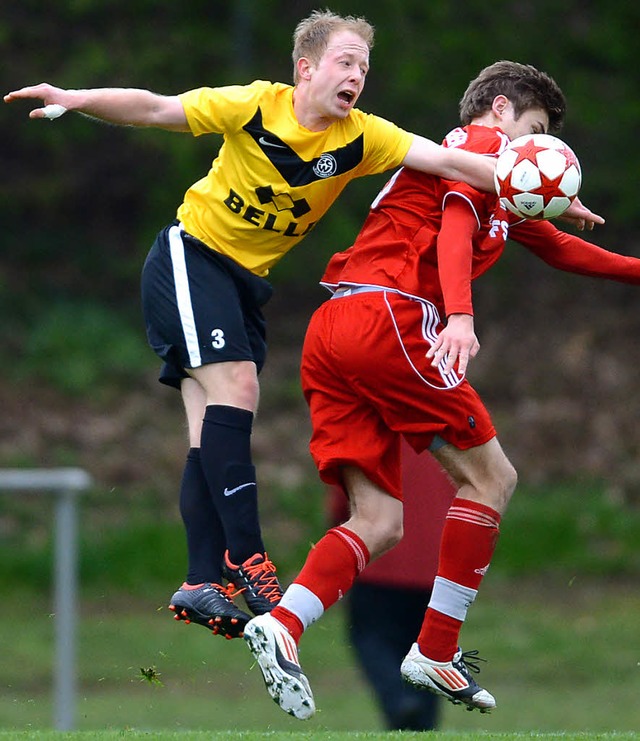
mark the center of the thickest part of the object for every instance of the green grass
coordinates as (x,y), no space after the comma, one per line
(302,736)
(571,529)
(79,348)
(577,526)
(563,660)
(557,618)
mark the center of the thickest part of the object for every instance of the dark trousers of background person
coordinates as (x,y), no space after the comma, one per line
(382,624)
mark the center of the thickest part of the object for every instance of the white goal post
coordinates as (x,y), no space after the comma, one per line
(65,484)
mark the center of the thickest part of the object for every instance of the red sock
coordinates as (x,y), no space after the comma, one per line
(468,541)
(290,621)
(328,573)
(332,565)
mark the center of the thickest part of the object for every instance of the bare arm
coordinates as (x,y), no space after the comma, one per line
(125,106)
(451,163)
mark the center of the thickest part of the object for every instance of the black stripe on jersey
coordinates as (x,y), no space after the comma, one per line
(295,170)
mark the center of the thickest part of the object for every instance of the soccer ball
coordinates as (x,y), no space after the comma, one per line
(537,176)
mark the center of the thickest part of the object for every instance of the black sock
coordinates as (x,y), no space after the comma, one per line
(206,542)
(225,455)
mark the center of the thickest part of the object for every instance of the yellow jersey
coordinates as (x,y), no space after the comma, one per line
(272,179)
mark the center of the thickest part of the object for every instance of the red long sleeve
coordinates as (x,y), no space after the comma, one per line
(573,254)
(455,254)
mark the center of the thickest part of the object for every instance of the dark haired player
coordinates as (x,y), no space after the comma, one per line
(386,358)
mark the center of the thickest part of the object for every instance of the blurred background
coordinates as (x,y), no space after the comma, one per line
(80,204)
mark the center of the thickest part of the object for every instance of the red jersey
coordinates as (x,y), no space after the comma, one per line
(406,243)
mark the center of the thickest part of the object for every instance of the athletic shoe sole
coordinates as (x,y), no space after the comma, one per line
(291,693)
(227,625)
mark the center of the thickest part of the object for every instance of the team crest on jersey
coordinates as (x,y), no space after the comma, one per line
(326,165)
(294,170)
(296,173)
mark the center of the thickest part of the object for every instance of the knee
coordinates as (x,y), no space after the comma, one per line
(384,535)
(391,536)
(503,485)
(232,383)
(493,486)
(379,534)
(511,480)
(243,381)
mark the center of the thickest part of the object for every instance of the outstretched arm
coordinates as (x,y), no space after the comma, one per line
(125,106)
(451,163)
(570,252)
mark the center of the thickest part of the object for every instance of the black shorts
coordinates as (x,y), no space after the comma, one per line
(200,307)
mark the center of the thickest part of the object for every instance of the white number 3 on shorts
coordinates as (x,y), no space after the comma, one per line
(217,339)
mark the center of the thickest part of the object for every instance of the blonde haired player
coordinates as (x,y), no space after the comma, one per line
(287,153)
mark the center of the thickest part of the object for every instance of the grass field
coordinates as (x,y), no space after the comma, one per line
(306,736)
(563,651)
(563,662)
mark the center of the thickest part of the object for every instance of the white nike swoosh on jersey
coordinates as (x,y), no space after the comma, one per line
(229,492)
(266,142)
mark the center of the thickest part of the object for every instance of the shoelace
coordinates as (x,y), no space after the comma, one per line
(266,581)
(470,659)
(229,592)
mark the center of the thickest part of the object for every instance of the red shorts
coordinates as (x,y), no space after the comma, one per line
(368,383)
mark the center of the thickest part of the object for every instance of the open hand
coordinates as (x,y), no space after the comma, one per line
(56,101)
(580,216)
(456,343)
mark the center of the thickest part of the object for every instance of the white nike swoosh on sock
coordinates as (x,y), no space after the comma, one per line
(229,492)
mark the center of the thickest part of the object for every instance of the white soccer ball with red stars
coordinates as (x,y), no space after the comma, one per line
(537,176)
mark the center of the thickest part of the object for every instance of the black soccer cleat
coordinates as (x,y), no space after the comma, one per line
(256,580)
(210,605)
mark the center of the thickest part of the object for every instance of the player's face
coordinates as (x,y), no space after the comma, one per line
(531,121)
(338,78)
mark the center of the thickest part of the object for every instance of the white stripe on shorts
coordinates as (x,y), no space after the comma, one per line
(430,321)
(185,308)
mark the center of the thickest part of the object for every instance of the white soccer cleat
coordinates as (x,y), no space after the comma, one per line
(277,655)
(449,679)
